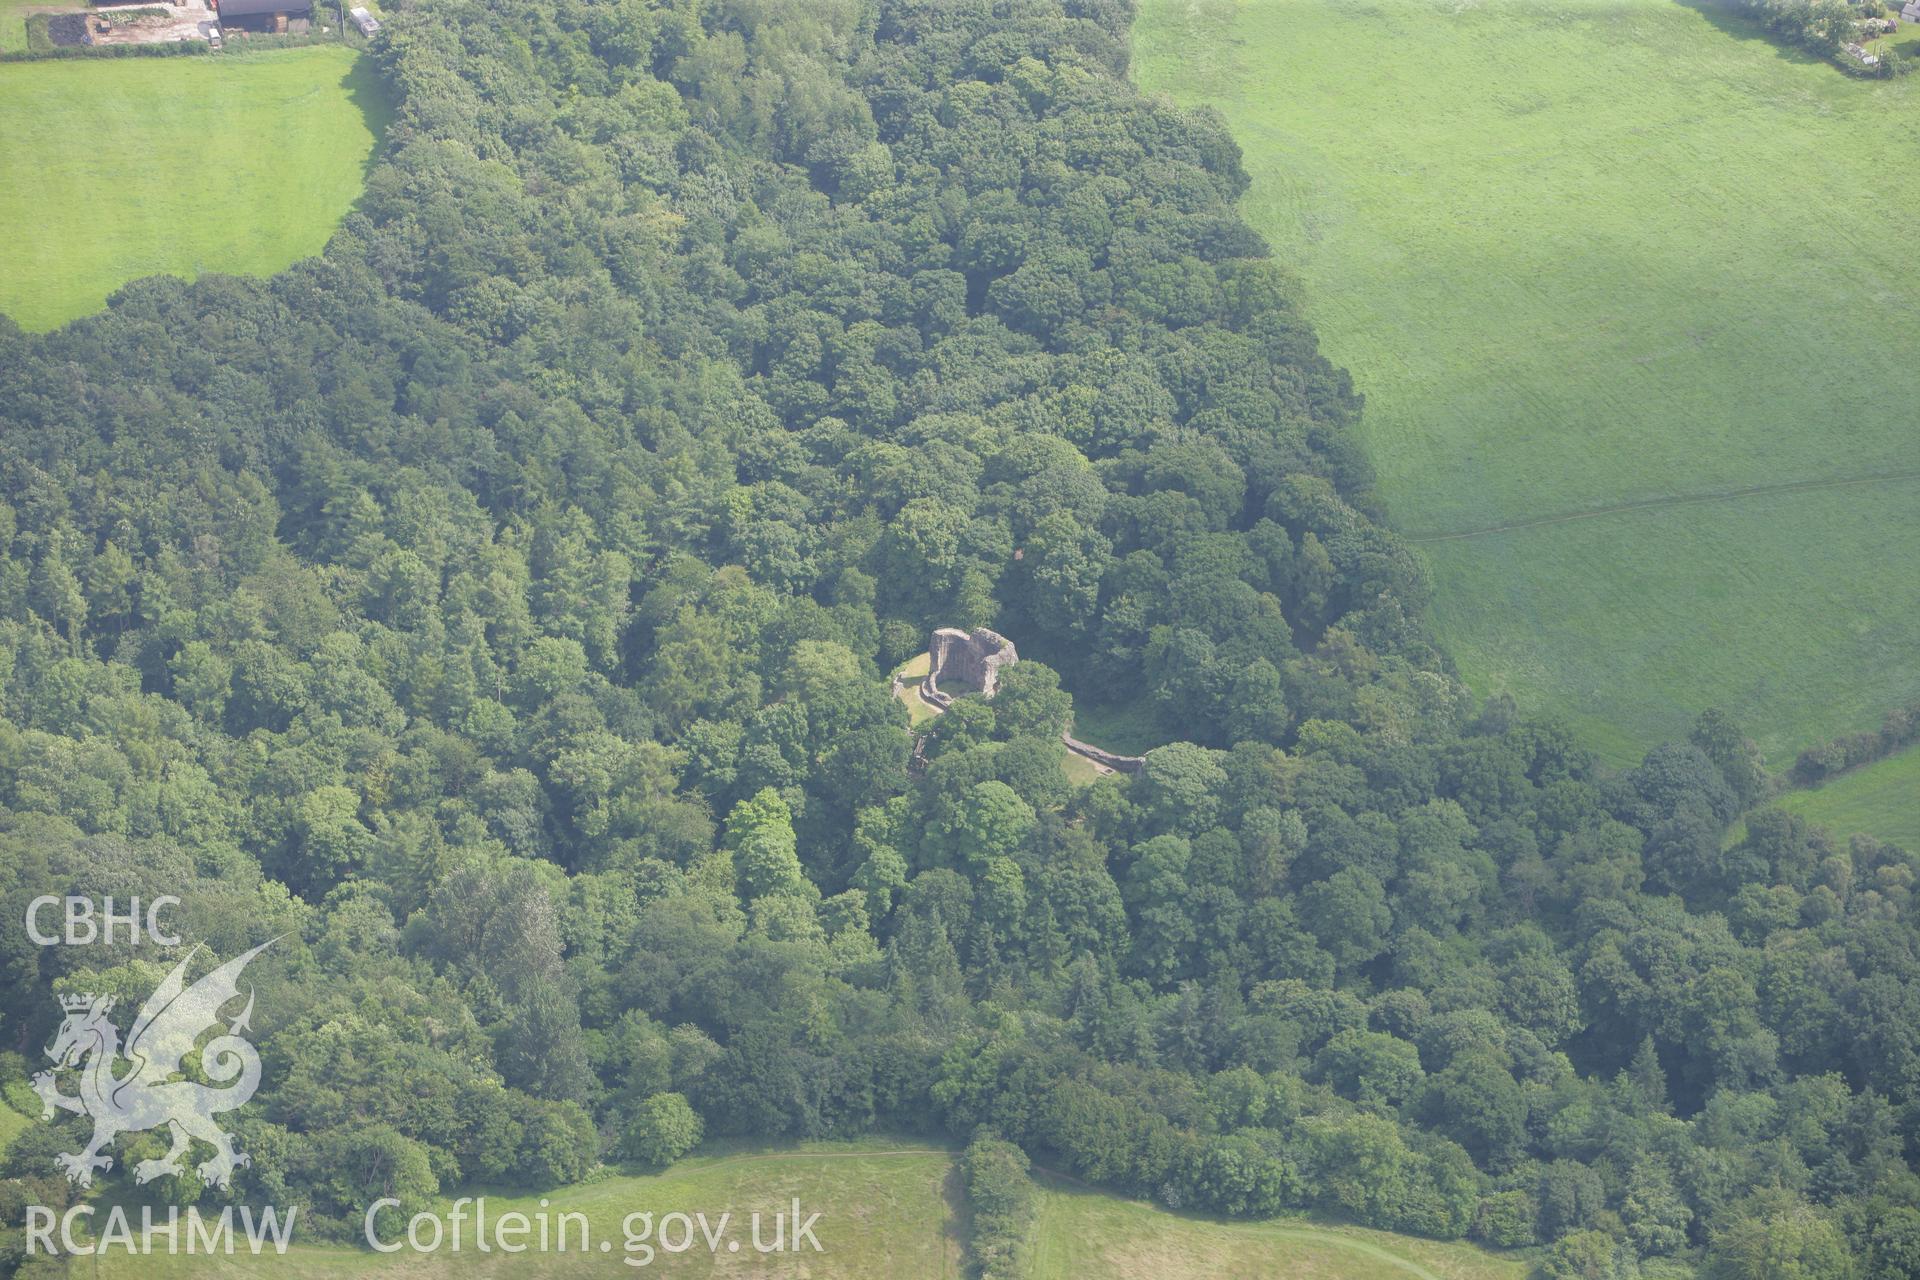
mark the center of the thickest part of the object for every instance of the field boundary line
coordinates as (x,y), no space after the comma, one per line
(1673,500)
(828,1155)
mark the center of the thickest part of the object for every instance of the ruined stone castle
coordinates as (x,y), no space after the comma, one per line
(975,658)
(972,657)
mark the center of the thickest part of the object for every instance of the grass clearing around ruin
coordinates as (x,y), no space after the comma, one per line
(1124,728)
(1085,1233)
(1080,771)
(911,673)
(114,169)
(1629,293)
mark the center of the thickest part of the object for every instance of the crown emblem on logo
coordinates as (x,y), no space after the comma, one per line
(168,1027)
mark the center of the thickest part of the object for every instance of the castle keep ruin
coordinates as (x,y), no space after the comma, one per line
(975,658)
(971,657)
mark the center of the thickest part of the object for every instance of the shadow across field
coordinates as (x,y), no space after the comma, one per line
(372,98)
(1729,21)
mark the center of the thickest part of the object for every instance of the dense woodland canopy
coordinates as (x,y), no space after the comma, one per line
(499,607)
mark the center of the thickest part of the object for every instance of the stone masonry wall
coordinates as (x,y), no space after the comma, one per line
(976,657)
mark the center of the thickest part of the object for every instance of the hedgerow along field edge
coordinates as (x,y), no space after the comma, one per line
(1627,276)
(1881,799)
(128,167)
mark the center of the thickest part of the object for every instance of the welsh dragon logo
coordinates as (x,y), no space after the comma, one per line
(147,1095)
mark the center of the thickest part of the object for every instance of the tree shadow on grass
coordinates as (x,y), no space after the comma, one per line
(374,101)
(1727,19)
(956,1228)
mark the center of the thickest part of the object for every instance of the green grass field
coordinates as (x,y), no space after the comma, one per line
(1080,771)
(1882,799)
(13,1123)
(1627,289)
(13,26)
(13,19)
(913,671)
(1127,728)
(881,1216)
(1906,41)
(1082,1233)
(113,170)
(886,1211)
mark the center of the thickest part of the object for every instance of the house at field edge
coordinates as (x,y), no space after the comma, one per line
(264,15)
(363,22)
(1911,11)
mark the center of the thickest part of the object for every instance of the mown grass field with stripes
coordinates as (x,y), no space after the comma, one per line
(1631,292)
(116,168)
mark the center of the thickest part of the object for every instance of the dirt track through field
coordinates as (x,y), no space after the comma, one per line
(1676,500)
